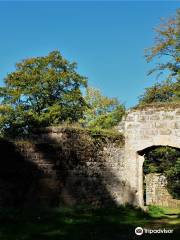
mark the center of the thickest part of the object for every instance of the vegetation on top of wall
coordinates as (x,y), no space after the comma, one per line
(164,92)
(74,131)
(158,105)
(102,135)
(110,135)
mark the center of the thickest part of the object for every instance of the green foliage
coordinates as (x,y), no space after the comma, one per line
(160,212)
(165,160)
(173,178)
(103,112)
(42,91)
(155,211)
(159,92)
(166,50)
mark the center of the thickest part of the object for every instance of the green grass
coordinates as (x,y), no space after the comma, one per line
(156,211)
(82,223)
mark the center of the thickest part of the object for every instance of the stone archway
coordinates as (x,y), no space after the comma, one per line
(144,128)
(155,182)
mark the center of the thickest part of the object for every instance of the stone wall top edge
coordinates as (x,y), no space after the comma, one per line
(77,130)
(156,107)
(58,129)
(152,110)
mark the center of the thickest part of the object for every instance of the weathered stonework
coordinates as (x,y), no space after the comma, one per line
(144,128)
(65,166)
(62,166)
(156,191)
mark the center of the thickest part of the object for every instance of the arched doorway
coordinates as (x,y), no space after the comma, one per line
(160,178)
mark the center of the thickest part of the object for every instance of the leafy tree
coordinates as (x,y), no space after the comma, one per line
(159,92)
(166,47)
(41,91)
(173,179)
(166,50)
(165,160)
(102,112)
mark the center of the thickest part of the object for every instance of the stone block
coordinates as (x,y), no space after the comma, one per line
(164,131)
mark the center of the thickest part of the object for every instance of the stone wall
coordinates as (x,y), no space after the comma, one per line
(143,128)
(63,166)
(70,166)
(156,191)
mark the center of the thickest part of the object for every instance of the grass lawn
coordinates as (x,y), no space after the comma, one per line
(86,223)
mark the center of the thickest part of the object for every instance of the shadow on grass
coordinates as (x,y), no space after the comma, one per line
(20,177)
(79,223)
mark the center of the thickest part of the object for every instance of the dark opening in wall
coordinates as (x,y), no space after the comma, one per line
(163,163)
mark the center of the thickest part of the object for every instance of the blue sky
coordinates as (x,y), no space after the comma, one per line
(106,39)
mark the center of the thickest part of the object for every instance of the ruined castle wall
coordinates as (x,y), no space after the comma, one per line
(144,128)
(63,166)
(157,193)
(70,166)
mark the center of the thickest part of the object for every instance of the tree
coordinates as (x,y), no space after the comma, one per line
(102,112)
(167,48)
(159,92)
(41,91)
